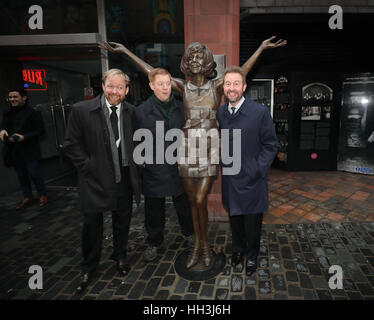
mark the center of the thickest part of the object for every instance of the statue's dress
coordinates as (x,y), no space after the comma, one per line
(201,156)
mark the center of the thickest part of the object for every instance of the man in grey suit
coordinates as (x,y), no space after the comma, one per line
(99,143)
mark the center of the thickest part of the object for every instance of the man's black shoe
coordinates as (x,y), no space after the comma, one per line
(236,258)
(85,280)
(250,267)
(122,267)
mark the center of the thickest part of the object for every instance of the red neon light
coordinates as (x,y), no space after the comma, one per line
(34,79)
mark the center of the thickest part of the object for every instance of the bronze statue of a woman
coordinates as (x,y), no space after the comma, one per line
(201,98)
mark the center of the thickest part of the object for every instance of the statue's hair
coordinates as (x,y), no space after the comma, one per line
(209,63)
(116,72)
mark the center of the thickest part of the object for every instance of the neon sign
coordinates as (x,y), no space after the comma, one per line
(35,79)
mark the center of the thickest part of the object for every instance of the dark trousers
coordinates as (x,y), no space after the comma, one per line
(28,170)
(155,217)
(92,234)
(246,234)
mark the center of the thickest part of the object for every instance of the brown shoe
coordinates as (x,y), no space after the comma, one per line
(26,202)
(43,201)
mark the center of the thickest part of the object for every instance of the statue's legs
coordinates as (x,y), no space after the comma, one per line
(197,190)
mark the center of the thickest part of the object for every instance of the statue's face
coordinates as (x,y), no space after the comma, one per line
(196,62)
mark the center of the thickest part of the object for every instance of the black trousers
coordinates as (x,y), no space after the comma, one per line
(246,234)
(27,171)
(155,217)
(92,234)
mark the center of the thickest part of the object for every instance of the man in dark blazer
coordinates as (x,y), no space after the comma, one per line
(21,128)
(245,193)
(99,143)
(162,179)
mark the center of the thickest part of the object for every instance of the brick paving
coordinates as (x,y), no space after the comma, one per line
(315,220)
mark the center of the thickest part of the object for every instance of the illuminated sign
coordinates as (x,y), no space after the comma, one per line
(34,79)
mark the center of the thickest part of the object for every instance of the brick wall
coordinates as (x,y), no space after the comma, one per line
(305,6)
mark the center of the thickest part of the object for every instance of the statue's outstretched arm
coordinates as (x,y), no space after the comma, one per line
(266,44)
(119,48)
(177,84)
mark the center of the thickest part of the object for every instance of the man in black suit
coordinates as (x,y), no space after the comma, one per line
(162,179)
(99,143)
(20,131)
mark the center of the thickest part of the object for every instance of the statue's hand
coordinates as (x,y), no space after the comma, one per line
(267,44)
(112,46)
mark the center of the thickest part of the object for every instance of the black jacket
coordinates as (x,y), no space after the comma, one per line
(160,180)
(87,144)
(32,127)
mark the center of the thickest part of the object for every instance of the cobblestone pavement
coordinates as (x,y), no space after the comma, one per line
(315,220)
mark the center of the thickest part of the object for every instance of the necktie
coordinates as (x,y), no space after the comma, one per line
(114,122)
(232,111)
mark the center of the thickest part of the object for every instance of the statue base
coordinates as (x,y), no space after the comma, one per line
(199,272)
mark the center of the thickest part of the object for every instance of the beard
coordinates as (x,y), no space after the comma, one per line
(233,99)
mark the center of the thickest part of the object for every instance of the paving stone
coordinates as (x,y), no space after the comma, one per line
(308,294)
(152,287)
(162,295)
(305,281)
(162,269)
(123,289)
(236,297)
(294,291)
(324,295)
(319,282)
(278,282)
(132,276)
(236,283)
(264,262)
(190,297)
(359,258)
(114,284)
(249,293)
(251,281)
(286,253)
(223,282)
(365,289)
(194,287)
(324,262)
(264,287)
(181,286)
(168,281)
(263,274)
(106,295)
(98,287)
(276,267)
(207,292)
(175,297)
(314,269)
(354,295)
(148,272)
(137,290)
(226,271)
(309,257)
(289,265)
(301,267)
(273,247)
(357,276)
(221,294)
(292,276)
